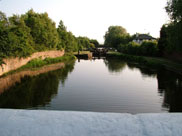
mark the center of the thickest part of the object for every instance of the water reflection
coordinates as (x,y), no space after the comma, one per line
(114,65)
(35,91)
(92,86)
(170,86)
(169,83)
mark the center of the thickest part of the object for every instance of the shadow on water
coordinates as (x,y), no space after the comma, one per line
(35,91)
(169,83)
(114,65)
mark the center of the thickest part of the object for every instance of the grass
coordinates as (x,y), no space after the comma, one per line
(150,61)
(38,62)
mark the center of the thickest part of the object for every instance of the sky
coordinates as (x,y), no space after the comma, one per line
(92,18)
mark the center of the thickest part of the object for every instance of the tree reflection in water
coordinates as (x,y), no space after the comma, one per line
(38,91)
(169,83)
(35,91)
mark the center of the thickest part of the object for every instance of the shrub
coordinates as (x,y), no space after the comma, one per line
(147,48)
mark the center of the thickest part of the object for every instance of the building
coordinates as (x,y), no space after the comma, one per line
(143,37)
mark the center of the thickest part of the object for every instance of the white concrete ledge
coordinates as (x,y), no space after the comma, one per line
(65,123)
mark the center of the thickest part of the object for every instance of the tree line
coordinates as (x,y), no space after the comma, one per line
(170,40)
(118,38)
(171,34)
(22,35)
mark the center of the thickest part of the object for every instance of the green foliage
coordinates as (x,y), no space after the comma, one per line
(149,61)
(15,38)
(139,59)
(20,36)
(116,35)
(174,9)
(67,40)
(84,43)
(162,43)
(43,30)
(171,38)
(171,34)
(38,62)
(95,42)
(147,48)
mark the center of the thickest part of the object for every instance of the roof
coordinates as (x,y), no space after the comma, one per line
(144,37)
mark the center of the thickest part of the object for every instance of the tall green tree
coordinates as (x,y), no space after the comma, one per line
(4,28)
(20,40)
(62,34)
(15,38)
(116,35)
(171,34)
(95,42)
(85,43)
(43,30)
(67,40)
(174,9)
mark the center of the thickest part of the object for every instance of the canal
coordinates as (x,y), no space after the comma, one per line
(99,85)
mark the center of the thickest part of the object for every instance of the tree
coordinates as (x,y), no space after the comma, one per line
(62,34)
(95,42)
(115,36)
(20,40)
(43,30)
(162,43)
(67,40)
(15,38)
(171,34)
(85,43)
(174,9)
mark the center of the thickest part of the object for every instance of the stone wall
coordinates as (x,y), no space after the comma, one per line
(14,63)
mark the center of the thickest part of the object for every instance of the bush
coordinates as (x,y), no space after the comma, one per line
(147,48)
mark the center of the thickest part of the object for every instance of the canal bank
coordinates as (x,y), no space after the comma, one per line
(14,63)
(64,123)
(149,61)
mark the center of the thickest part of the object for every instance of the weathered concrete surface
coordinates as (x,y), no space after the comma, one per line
(14,63)
(63,123)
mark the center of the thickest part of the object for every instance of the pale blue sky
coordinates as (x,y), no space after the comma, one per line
(92,18)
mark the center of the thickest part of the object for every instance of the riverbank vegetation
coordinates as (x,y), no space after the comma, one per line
(156,62)
(170,42)
(22,35)
(118,38)
(38,63)
(169,45)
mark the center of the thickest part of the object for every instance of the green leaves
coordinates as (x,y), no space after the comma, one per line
(116,35)
(20,36)
(147,48)
(43,30)
(174,9)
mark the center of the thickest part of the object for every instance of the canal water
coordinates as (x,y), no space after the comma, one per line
(100,85)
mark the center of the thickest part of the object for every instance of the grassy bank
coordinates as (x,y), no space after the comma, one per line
(37,63)
(149,61)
